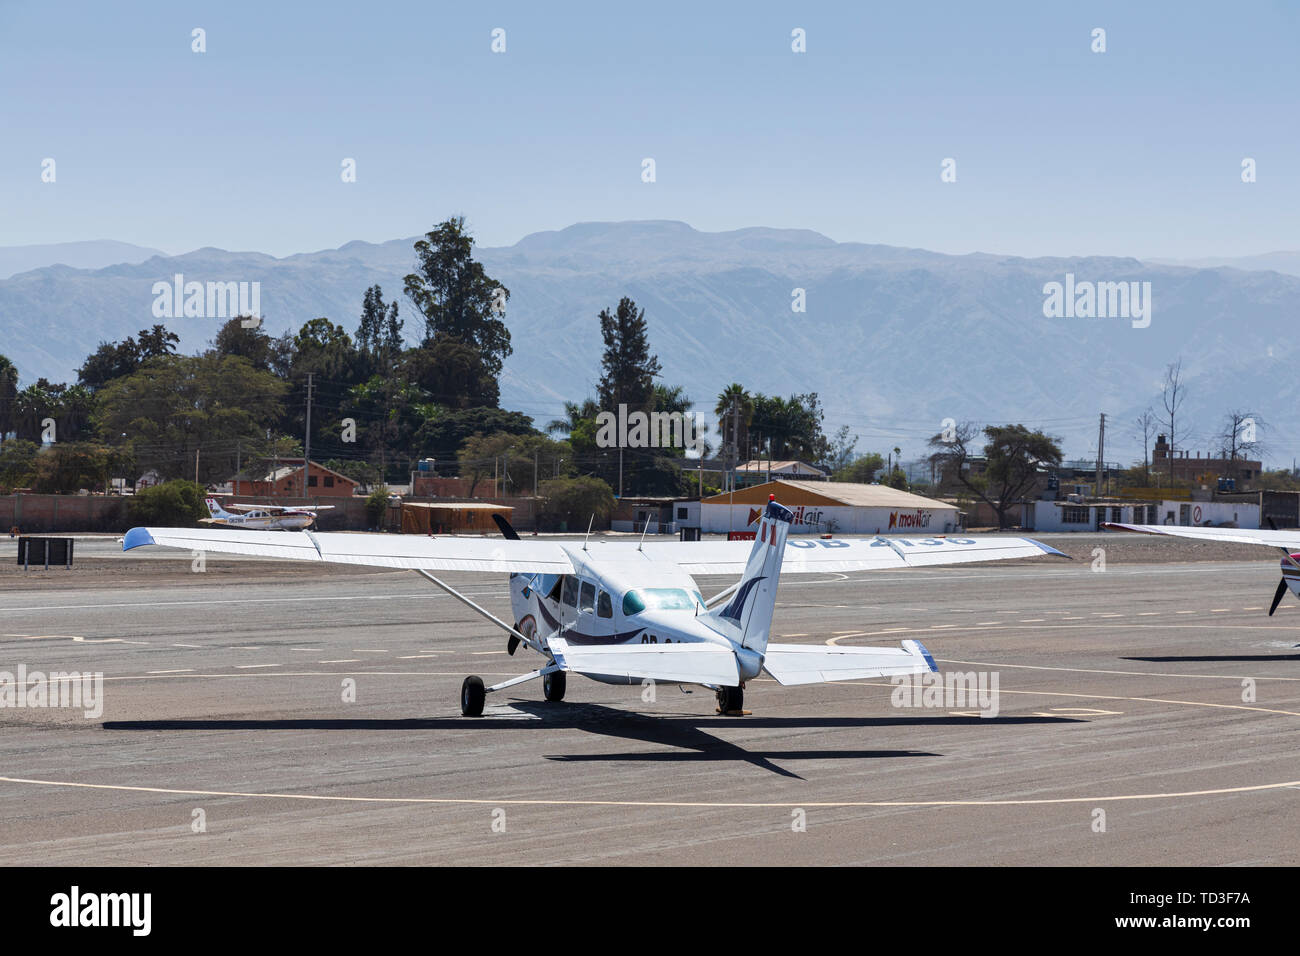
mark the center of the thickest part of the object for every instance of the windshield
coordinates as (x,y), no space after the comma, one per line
(663,599)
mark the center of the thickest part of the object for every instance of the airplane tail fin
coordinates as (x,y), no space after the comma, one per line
(214,508)
(747,617)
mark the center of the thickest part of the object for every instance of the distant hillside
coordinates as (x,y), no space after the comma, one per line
(79,255)
(895,340)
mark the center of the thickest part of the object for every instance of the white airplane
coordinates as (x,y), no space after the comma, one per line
(264,517)
(625,613)
(1287,540)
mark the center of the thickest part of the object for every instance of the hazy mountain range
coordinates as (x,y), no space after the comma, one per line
(895,340)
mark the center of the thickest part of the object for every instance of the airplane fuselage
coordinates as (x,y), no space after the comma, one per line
(619,600)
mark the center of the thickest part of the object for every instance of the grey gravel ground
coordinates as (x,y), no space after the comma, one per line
(1121,693)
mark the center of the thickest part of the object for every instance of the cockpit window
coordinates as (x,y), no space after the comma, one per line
(588,600)
(663,599)
(604,606)
(570,593)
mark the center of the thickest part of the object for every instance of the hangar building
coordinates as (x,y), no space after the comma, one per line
(838,507)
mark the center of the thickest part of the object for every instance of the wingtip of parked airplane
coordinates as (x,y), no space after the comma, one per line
(1048,549)
(137,538)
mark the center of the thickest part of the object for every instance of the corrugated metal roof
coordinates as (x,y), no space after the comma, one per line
(843,492)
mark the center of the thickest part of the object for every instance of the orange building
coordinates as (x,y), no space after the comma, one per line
(285,481)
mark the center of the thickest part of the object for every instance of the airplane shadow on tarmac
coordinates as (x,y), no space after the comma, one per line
(1217,659)
(684,733)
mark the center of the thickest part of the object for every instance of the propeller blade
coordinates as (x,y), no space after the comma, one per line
(507,532)
(1277,596)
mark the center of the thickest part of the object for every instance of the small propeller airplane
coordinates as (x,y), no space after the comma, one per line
(1288,541)
(264,517)
(625,613)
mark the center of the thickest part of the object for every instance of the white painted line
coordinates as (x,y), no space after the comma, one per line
(183,670)
(346,660)
(248,666)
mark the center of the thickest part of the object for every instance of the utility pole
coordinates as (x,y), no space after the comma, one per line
(620,471)
(306,456)
(535,460)
(1101,451)
(237,456)
(196,466)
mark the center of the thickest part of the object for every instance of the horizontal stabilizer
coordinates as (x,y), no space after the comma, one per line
(667,663)
(815,664)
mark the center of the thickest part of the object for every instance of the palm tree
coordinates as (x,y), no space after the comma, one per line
(734,396)
(575,414)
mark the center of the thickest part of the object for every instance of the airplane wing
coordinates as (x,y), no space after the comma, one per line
(815,663)
(667,663)
(1288,539)
(809,555)
(377,550)
(281,507)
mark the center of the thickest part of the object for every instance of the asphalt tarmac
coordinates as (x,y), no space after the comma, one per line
(1145,714)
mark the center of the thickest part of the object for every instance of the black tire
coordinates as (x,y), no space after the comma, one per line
(472,696)
(554,685)
(730,699)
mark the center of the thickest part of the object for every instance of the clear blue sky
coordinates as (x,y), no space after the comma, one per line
(1059,150)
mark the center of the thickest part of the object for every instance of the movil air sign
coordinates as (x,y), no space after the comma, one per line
(807,517)
(910,519)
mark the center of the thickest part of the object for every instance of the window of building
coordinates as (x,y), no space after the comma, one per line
(1074,515)
(681,513)
(311,481)
(329,481)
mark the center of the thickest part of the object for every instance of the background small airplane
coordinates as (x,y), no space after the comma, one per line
(625,613)
(1287,540)
(264,517)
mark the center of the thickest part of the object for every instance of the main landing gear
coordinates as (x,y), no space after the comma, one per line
(554,685)
(731,701)
(472,696)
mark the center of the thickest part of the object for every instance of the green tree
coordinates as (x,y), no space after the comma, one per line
(178,406)
(175,503)
(252,344)
(17,464)
(442,436)
(452,373)
(511,458)
(862,469)
(628,370)
(116,359)
(786,429)
(1014,458)
(379,336)
(569,503)
(67,467)
(8,397)
(457,298)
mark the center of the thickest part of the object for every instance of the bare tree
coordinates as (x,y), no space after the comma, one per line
(1172,393)
(1239,439)
(1146,426)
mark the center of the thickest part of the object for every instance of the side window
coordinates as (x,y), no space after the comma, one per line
(570,595)
(553,593)
(588,602)
(604,607)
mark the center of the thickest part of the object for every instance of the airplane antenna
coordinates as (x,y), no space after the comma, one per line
(643,531)
(589,524)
